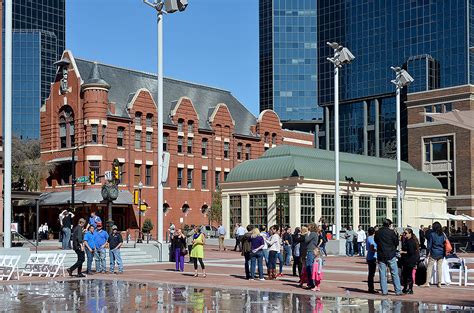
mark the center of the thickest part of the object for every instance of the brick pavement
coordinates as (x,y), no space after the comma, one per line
(344,276)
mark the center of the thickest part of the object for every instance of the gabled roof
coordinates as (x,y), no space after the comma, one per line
(124,83)
(288,161)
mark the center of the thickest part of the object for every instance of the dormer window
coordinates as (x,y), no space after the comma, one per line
(190,127)
(266,137)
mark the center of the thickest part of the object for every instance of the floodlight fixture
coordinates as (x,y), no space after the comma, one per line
(402,78)
(342,55)
(175,5)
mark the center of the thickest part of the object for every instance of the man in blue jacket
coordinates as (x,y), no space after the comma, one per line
(387,244)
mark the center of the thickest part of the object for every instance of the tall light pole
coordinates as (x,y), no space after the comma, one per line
(7,201)
(342,56)
(401,80)
(140,187)
(162,7)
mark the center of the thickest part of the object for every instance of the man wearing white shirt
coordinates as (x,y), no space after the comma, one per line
(239,234)
(361,237)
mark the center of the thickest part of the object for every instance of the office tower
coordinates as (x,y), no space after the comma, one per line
(38,41)
(430,39)
(288,63)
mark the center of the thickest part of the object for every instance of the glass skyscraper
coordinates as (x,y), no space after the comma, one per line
(429,38)
(288,59)
(38,42)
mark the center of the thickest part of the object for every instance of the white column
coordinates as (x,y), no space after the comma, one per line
(337,201)
(160,127)
(373,205)
(389,209)
(317,207)
(245,202)
(399,178)
(271,204)
(226,215)
(295,209)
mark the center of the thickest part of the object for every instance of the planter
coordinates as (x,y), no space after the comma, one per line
(50,236)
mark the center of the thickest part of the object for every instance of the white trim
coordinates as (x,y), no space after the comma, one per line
(135,96)
(218,169)
(138,127)
(216,109)
(260,116)
(226,169)
(180,165)
(85,121)
(425,124)
(149,129)
(93,157)
(300,141)
(190,166)
(95,88)
(65,100)
(190,135)
(461,197)
(175,109)
(434,103)
(138,162)
(180,134)
(103,122)
(204,167)
(266,145)
(149,162)
(226,140)
(94,121)
(121,160)
(217,138)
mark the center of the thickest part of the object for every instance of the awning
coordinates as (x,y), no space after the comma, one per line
(88,196)
(464,119)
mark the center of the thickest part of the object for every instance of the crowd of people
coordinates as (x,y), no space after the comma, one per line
(89,238)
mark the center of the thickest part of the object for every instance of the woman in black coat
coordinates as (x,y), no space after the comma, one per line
(410,254)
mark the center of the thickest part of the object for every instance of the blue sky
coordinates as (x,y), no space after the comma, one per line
(213,42)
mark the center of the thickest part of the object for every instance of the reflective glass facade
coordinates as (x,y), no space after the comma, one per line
(38,42)
(430,38)
(288,59)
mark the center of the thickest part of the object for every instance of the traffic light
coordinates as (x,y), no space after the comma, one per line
(135,197)
(116,173)
(92,177)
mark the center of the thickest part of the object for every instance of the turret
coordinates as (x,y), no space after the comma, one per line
(95,93)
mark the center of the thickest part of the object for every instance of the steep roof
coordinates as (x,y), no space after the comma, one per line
(124,83)
(288,161)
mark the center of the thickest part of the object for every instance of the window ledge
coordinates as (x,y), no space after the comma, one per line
(149,151)
(180,154)
(191,189)
(226,159)
(138,150)
(120,148)
(205,157)
(191,155)
(148,187)
(217,158)
(204,189)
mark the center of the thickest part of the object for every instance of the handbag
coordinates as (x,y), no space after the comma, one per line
(447,246)
(184,251)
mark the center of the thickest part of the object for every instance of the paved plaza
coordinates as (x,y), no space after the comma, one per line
(345,278)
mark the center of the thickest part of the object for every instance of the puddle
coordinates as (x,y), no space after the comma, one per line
(122,296)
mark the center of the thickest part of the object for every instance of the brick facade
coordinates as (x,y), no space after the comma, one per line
(459,98)
(91,106)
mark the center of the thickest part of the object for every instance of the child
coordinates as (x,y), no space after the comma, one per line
(317,270)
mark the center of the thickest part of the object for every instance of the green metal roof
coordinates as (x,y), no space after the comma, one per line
(289,161)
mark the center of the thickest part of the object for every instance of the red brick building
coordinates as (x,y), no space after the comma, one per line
(443,150)
(110,113)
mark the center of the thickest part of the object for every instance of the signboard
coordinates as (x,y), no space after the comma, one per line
(82,179)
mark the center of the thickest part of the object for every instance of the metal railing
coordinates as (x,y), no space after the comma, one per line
(20,236)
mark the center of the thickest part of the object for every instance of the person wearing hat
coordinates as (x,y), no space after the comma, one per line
(101,237)
(115,243)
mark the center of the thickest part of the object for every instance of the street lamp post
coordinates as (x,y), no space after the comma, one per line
(342,56)
(140,186)
(171,7)
(401,80)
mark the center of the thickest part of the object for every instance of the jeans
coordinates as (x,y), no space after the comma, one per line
(265,256)
(272,257)
(393,266)
(349,248)
(287,249)
(90,258)
(322,248)
(80,260)
(100,265)
(296,265)
(256,257)
(66,243)
(247,264)
(280,261)
(360,245)
(179,259)
(114,255)
(370,278)
(309,268)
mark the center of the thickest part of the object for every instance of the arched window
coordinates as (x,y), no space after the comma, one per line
(266,137)
(138,118)
(66,127)
(149,120)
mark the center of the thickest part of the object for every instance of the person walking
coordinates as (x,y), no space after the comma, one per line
(78,246)
(179,244)
(89,247)
(246,250)
(189,242)
(435,253)
(101,237)
(256,254)
(349,235)
(197,252)
(410,255)
(66,226)
(361,238)
(274,245)
(317,271)
(240,232)
(371,258)
(115,243)
(387,243)
(287,243)
(221,233)
(296,252)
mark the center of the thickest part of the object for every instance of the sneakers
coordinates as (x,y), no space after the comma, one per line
(261,279)
(81,275)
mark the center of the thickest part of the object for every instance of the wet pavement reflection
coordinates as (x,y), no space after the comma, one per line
(122,296)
